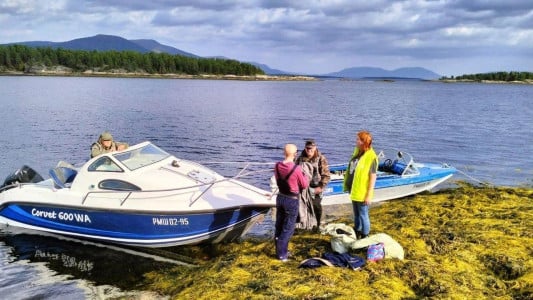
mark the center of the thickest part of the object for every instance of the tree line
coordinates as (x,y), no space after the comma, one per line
(23,58)
(495,76)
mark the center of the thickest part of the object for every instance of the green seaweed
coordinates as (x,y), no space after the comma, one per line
(468,242)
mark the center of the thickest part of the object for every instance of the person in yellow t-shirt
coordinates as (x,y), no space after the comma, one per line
(359,181)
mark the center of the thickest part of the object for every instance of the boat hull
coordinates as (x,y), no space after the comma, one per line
(145,229)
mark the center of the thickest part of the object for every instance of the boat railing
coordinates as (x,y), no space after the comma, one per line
(13,185)
(17,184)
(242,173)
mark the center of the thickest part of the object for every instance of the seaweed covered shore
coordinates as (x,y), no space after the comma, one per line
(463,243)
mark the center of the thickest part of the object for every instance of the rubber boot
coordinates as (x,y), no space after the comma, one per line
(317,208)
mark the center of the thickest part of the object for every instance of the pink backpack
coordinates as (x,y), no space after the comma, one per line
(375,252)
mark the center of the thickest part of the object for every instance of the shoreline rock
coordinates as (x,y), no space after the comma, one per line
(66,72)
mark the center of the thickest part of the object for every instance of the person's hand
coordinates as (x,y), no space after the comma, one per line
(318,190)
(121,147)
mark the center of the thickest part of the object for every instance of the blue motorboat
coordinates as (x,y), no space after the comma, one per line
(398,176)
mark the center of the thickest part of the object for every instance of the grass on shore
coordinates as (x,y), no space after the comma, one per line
(463,243)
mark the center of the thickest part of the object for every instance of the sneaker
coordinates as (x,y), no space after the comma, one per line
(284,259)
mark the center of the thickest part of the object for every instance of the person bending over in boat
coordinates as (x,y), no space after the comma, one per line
(105,144)
(320,176)
(291,181)
(360,180)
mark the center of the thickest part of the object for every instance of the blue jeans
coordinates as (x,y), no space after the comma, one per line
(286,214)
(360,217)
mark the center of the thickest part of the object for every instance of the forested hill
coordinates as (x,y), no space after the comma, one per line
(103,42)
(494,76)
(20,58)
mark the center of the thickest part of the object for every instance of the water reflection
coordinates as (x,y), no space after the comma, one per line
(97,263)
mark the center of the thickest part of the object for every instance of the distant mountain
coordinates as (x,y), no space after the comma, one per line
(270,71)
(415,72)
(265,68)
(154,46)
(102,42)
(366,72)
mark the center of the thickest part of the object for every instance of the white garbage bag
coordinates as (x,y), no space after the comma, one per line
(392,248)
(342,236)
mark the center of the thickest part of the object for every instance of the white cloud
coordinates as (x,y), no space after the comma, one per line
(302,36)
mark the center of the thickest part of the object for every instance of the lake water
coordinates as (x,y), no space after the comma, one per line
(484,130)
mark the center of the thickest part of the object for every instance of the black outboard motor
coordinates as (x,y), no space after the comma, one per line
(22,175)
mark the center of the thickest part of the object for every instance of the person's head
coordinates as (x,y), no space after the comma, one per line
(364,140)
(290,151)
(310,149)
(106,139)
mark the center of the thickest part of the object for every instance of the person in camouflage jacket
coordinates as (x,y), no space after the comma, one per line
(105,144)
(320,176)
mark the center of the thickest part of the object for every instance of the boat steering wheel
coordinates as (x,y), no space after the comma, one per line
(388,163)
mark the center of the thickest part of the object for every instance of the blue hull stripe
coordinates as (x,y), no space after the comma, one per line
(111,225)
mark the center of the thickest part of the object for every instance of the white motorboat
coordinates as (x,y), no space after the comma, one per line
(141,196)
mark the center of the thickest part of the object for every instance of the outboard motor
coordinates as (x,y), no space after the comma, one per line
(22,175)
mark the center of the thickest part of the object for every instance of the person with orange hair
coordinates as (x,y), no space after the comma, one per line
(359,181)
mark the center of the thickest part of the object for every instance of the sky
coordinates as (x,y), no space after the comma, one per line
(315,37)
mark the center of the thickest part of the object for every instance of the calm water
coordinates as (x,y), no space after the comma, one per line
(482,129)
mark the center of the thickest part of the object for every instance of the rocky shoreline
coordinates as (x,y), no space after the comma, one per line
(121,73)
(66,72)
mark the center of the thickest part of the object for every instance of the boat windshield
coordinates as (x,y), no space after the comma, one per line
(141,157)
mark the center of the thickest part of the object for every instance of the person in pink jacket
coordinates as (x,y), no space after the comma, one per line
(291,181)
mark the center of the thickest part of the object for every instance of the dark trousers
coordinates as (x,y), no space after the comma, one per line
(317,207)
(286,214)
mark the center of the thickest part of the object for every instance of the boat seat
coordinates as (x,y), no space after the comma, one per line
(392,167)
(398,168)
(63,176)
(65,164)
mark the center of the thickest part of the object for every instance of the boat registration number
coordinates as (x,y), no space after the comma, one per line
(170,221)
